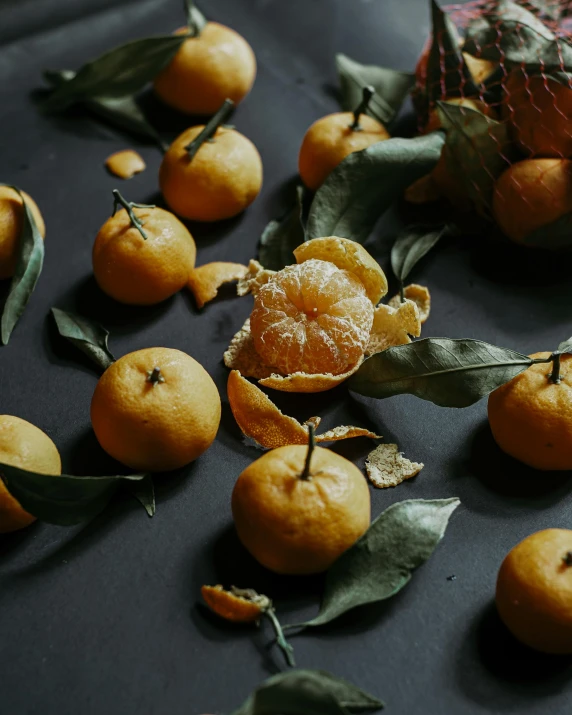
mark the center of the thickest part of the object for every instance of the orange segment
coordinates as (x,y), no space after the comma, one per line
(233,607)
(311,318)
(259,418)
(347,256)
(205,281)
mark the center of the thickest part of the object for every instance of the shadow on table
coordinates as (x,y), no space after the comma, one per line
(516,674)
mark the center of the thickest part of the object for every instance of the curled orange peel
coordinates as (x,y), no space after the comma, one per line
(236,605)
(393,326)
(261,420)
(205,280)
(420,295)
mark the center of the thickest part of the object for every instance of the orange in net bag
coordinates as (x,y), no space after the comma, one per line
(496,75)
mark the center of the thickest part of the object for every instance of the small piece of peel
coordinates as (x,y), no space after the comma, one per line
(205,280)
(420,295)
(125,164)
(255,277)
(236,605)
(387,467)
(393,326)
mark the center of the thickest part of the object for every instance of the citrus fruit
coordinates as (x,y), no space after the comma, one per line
(237,605)
(531,416)
(143,269)
(220,181)
(531,194)
(539,110)
(155,409)
(312,318)
(11,219)
(475,105)
(534,591)
(25,446)
(216,64)
(479,68)
(297,508)
(330,140)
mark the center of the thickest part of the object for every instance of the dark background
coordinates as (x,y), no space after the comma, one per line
(104,618)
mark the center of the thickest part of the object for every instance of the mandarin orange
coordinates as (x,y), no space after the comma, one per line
(11,218)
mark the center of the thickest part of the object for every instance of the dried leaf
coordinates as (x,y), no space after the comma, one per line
(391,87)
(367,182)
(205,280)
(28,268)
(450,373)
(382,561)
(91,338)
(417,294)
(62,500)
(393,326)
(387,467)
(307,692)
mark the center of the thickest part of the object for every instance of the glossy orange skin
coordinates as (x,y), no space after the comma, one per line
(531,417)
(534,591)
(540,114)
(25,446)
(330,140)
(220,181)
(530,194)
(294,526)
(136,271)
(157,427)
(219,64)
(11,217)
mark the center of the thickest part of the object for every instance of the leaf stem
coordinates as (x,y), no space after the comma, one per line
(210,128)
(367,94)
(280,638)
(128,206)
(555,374)
(311,445)
(567,558)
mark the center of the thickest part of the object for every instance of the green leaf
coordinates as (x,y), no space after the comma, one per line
(552,236)
(144,491)
(381,563)
(122,112)
(411,245)
(307,692)
(195,18)
(282,236)
(566,346)
(450,373)
(509,33)
(367,182)
(478,150)
(391,87)
(120,72)
(447,72)
(62,500)
(28,268)
(91,338)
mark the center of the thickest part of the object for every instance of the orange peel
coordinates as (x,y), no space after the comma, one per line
(387,467)
(236,605)
(393,326)
(420,295)
(255,277)
(262,421)
(349,256)
(205,280)
(125,164)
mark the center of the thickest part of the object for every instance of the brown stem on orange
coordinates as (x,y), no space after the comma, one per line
(367,94)
(154,376)
(128,206)
(207,134)
(280,638)
(311,444)
(555,374)
(567,558)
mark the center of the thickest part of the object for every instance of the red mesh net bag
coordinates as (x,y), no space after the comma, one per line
(497,76)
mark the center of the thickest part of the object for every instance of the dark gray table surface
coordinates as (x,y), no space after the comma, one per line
(104,618)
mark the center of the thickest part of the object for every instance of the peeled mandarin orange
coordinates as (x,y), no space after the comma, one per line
(531,194)
(155,409)
(220,181)
(25,446)
(11,218)
(216,64)
(311,318)
(143,271)
(534,591)
(330,140)
(295,520)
